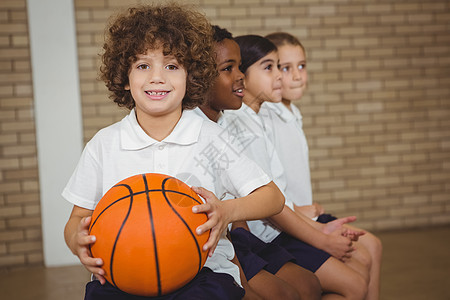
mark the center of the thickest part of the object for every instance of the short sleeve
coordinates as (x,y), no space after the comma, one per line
(84,188)
(243,175)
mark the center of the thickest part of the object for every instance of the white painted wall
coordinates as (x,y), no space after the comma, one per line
(58,116)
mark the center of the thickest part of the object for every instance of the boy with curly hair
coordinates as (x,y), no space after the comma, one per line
(158,63)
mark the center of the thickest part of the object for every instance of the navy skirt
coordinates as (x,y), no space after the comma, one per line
(255,255)
(305,255)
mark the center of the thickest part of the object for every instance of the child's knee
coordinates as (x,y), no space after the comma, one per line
(358,289)
(364,257)
(374,245)
(286,291)
(312,289)
(289,293)
(377,245)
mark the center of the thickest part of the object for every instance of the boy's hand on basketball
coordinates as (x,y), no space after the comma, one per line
(218,218)
(83,240)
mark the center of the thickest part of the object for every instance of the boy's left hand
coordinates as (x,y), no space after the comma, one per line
(218,218)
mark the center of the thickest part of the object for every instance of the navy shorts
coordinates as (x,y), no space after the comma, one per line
(325,218)
(205,286)
(255,255)
(306,256)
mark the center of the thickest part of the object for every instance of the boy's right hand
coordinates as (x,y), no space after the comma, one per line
(82,242)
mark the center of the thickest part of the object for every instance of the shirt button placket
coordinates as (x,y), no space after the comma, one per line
(161,159)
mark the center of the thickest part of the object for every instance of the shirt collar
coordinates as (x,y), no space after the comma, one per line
(186,132)
(282,111)
(253,115)
(200,113)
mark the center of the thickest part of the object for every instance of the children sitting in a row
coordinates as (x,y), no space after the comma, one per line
(268,268)
(285,122)
(160,62)
(287,230)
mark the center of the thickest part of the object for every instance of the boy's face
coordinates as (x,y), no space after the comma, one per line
(228,88)
(293,71)
(157,84)
(263,80)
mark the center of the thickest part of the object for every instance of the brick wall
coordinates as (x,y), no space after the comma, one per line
(376,113)
(20,223)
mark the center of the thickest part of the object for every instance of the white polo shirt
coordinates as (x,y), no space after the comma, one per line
(248,127)
(198,152)
(285,129)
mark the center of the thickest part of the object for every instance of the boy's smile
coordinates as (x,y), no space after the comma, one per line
(157,83)
(157,95)
(239,91)
(228,89)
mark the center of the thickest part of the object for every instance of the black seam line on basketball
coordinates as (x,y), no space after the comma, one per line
(185,223)
(120,199)
(111,204)
(155,249)
(130,195)
(135,194)
(118,235)
(181,193)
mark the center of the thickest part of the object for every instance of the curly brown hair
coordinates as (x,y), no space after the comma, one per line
(178,30)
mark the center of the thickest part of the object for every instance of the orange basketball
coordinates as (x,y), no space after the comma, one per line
(145,231)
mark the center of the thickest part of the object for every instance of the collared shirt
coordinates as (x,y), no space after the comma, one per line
(200,113)
(249,129)
(285,129)
(197,152)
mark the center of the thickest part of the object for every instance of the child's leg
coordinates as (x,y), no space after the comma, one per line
(269,286)
(366,259)
(369,252)
(340,281)
(304,281)
(253,257)
(360,261)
